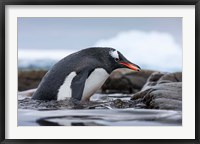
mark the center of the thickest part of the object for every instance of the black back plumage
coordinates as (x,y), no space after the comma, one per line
(89,58)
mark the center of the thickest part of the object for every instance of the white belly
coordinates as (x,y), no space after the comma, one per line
(65,89)
(94,82)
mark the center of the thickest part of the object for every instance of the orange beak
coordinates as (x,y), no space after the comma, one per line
(131,66)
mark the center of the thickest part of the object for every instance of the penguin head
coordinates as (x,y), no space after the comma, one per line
(108,58)
(119,61)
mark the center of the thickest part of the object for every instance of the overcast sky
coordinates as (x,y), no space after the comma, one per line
(151,42)
(70,33)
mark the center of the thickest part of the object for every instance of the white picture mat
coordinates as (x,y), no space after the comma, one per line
(186,131)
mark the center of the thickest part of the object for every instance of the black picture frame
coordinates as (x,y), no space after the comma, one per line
(3,4)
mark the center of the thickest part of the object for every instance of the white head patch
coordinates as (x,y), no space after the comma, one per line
(114,54)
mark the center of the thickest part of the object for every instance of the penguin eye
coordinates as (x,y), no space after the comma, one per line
(116,59)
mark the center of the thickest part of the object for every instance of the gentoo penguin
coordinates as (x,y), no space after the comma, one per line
(81,74)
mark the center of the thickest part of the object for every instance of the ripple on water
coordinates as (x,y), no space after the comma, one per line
(102,110)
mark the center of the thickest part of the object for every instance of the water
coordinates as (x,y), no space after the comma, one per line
(99,117)
(102,110)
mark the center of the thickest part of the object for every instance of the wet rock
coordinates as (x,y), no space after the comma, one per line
(28,103)
(126,81)
(118,103)
(45,105)
(171,77)
(152,89)
(162,91)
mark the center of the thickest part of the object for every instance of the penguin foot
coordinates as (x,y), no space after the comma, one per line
(75,104)
(74,101)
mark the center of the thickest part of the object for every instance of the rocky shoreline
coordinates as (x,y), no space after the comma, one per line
(146,89)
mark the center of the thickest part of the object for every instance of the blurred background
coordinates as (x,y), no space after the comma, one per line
(155,44)
(151,43)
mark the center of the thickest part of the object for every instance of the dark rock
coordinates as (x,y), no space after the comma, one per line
(162,91)
(120,104)
(126,81)
(171,77)
(29,79)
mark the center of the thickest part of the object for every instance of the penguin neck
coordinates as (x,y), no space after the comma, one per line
(108,69)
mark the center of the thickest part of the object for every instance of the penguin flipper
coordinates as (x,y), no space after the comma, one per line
(78,84)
